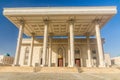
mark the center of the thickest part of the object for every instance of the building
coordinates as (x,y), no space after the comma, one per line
(6,60)
(60,36)
(107,60)
(115,61)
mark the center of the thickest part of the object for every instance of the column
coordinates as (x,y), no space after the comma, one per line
(19,42)
(89,52)
(69,59)
(45,43)
(72,43)
(99,45)
(50,51)
(31,50)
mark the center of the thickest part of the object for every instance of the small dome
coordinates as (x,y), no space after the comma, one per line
(7,54)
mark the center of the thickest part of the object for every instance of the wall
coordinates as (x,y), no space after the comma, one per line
(56,44)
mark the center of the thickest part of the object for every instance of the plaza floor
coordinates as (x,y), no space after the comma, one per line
(58,76)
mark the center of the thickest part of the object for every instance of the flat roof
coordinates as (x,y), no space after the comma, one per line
(58,17)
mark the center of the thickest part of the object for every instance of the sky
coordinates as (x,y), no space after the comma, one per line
(110,31)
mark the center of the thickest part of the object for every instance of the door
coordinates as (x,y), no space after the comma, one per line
(77,62)
(60,62)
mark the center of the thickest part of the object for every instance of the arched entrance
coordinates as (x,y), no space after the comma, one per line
(77,57)
(61,56)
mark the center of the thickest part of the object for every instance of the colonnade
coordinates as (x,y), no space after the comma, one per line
(71,59)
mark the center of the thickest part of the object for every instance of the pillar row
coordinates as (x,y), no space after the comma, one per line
(99,46)
(50,51)
(89,52)
(72,43)
(69,55)
(19,42)
(45,43)
(31,50)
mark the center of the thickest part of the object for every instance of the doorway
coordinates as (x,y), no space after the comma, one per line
(61,57)
(60,62)
(77,62)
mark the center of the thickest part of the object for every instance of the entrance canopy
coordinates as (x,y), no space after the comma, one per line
(59,17)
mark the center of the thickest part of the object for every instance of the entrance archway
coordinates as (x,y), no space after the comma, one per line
(77,57)
(61,57)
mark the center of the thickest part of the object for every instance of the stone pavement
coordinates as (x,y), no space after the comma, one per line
(58,76)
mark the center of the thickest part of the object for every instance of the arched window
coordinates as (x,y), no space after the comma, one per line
(60,52)
(93,51)
(26,56)
(77,52)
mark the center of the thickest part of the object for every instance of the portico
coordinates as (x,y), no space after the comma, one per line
(65,35)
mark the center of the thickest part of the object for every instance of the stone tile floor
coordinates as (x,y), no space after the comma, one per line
(58,76)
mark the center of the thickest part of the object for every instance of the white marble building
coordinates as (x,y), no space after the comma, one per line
(60,36)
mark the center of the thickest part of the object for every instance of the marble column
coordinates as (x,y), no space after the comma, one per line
(45,43)
(50,51)
(19,43)
(31,50)
(99,45)
(72,43)
(89,52)
(69,55)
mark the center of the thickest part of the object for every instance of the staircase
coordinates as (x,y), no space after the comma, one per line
(39,69)
(56,69)
(99,70)
(15,69)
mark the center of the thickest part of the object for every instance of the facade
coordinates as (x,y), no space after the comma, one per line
(60,36)
(6,60)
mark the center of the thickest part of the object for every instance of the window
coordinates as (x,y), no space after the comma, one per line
(77,51)
(94,58)
(94,51)
(60,53)
(26,56)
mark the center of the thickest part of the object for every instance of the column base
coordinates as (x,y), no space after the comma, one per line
(43,65)
(70,66)
(89,66)
(30,66)
(49,65)
(101,66)
(15,65)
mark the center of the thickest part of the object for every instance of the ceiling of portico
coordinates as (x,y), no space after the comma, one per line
(59,24)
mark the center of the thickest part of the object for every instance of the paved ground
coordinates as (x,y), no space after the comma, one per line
(59,76)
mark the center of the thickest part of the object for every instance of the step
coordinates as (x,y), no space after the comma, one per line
(99,70)
(15,69)
(57,69)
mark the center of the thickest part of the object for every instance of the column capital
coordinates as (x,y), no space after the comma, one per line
(97,21)
(87,34)
(71,21)
(22,22)
(46,21)
(32,34)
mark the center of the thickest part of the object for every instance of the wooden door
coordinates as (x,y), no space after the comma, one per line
(60,62)
(77,62)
